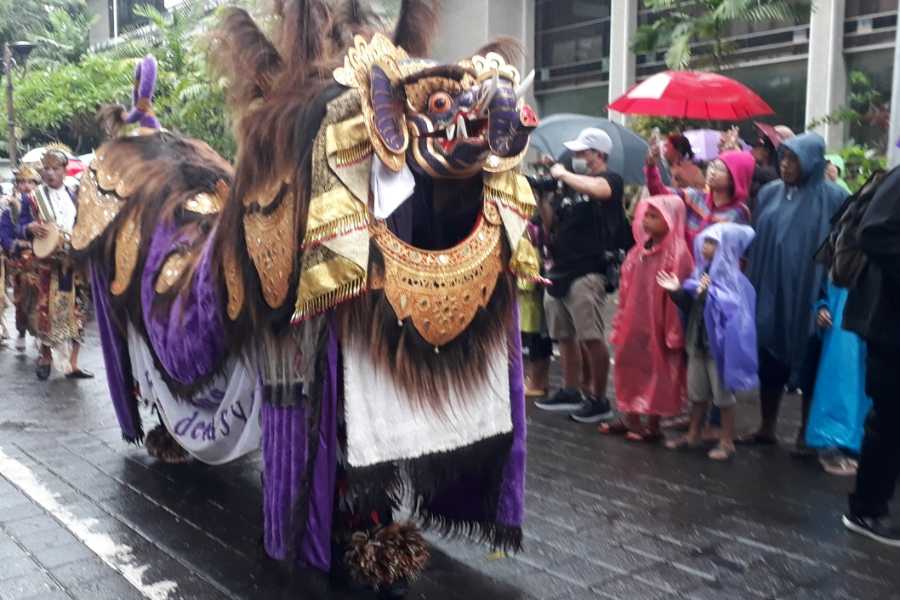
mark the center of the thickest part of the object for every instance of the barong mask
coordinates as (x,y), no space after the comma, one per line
(446,121)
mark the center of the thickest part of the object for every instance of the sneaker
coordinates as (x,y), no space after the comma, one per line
(564,400)
(593,410)
(879,529)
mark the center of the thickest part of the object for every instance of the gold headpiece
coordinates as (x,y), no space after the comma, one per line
(27,173)
(54,157)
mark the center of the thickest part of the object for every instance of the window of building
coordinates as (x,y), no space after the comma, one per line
(856,8)
(585,101)
(782,85)
(127,19)
(877,66)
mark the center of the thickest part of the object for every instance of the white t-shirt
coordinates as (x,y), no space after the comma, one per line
(62,206)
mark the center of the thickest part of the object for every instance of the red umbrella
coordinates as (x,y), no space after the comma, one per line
(692,95)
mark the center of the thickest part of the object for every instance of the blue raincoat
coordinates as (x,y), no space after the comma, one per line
(791,223)
(840,404)
(730,309)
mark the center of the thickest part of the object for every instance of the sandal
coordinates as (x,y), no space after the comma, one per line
(645,437)
(79,374)
(682,444)
(721,453)
(616,427)
(43,371)
(756,439)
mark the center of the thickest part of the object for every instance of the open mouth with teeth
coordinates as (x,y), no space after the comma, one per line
(461,130)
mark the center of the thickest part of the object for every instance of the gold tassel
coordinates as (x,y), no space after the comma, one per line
(306,309)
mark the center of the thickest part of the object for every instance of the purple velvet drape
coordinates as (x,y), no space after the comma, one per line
(186,335)
(115,355)
(511,505)
(286,453)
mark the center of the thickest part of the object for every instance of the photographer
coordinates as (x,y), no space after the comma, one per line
(588,228)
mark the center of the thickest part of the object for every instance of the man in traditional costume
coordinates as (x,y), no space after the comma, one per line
(17,248)
(62,300)
(344,296)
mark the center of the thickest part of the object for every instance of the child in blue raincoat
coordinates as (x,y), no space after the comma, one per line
(720,337)
(839,404)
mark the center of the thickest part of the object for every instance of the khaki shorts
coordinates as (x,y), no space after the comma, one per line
(704,383)
(578,316)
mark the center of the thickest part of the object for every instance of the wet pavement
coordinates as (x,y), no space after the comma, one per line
(85,516)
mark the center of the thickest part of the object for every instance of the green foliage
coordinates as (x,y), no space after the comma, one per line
(58,28)
(860,163)
(643,126)
(681,25)
(60,103)
(865,106)
(58,97)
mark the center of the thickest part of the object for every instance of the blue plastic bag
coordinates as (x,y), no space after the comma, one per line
(840,404)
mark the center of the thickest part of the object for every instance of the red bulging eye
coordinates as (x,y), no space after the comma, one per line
(440,102)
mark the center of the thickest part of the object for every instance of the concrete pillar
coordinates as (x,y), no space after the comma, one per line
(826,77)
(467,25)
(894,135)
(98,10)
(623,24)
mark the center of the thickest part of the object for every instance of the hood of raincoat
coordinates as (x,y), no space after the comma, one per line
(672,209)
(810,150)
(730,307)
(741,166)
(837,161)
(791,223)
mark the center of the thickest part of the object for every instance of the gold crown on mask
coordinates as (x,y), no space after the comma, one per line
(486,66)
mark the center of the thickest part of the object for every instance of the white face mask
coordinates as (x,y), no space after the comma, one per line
(579,166)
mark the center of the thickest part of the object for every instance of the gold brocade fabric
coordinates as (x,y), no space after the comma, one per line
(526,261)
(332,214)
(510,189)
(440,291)
(128,241)
(336,241)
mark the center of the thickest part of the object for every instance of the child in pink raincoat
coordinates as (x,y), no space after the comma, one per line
(647,330)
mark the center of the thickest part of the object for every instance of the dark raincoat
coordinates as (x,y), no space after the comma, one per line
(791,223)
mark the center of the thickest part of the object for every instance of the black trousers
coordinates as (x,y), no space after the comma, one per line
(879,462)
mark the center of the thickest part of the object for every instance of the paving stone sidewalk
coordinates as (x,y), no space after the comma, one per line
(83,515)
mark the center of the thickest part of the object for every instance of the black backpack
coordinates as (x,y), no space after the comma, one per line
(841,251)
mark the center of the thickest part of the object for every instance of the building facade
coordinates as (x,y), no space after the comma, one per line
(583,57)
(581,52)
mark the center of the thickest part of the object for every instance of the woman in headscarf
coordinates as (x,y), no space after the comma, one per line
(792,219)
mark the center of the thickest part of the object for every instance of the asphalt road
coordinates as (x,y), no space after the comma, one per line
(85,516)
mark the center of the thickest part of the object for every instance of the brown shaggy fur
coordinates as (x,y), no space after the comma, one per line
(417,26)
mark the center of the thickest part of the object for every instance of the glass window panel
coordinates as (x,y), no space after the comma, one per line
(586,101)
(855,8)
(561,13)
(782,86)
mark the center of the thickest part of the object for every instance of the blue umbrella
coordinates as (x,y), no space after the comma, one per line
(629,149)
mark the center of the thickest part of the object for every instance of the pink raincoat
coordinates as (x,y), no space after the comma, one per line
(701,210)
(647,330)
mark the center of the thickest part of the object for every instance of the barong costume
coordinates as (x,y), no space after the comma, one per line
(343,297)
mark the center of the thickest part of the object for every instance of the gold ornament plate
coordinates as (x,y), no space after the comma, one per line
(96,210)
(271,244)
(440,291)
(128,242)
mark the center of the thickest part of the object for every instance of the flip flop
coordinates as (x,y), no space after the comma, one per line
(79,374)
(721,454)
(681,444)
(613,428)
(644,437)
(756,439)
(43,371)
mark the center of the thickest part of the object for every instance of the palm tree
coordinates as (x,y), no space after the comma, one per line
(682,24)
